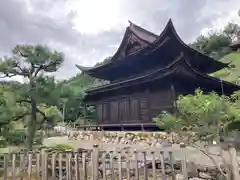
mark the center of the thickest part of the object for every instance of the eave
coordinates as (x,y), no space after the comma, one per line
(179,66)
(141,35)
(170,31)
(202,62)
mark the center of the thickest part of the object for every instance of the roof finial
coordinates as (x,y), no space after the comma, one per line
(170,21)
(130,22)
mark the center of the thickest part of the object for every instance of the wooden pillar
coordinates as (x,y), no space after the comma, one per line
(122,127)
(142,127)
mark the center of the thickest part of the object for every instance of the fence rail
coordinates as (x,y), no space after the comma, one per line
(96,164)
(91,164)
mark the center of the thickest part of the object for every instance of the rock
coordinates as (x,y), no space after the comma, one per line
(158,144)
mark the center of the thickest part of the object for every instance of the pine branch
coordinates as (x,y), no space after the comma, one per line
(23,100)
(43,114)
(43,67)
(16,118)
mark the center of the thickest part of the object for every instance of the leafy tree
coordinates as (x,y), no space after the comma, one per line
(232,31)
(31,62)
(204,118)
(214,45)
(9,110)
(72,92)
(209,116)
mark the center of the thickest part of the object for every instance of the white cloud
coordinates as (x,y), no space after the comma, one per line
(96,16)
(89,30)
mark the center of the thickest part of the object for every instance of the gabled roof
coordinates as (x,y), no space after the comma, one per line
(151,42)
(142,33)
(180,66)
(133,33)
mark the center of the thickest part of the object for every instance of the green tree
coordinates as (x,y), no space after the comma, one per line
(214,45)
(209,116)
(72,92)
(231,31)
(31,62)
(204,118)
(9,110)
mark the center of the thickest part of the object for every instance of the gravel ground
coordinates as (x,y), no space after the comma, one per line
(192,154)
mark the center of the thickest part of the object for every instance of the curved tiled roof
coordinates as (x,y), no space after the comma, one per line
(205,63)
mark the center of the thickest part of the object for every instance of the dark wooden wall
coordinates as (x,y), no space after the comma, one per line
(134,108)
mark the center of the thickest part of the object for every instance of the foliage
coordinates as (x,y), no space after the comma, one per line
(18,137)
(230,74)
(215,44)
(72,93)
(59,148)
(9,110)
(3,142)
(202,117)
(232,31)
(31,62)
(40,102)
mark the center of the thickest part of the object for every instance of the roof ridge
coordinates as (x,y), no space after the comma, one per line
(132,25)
(179,59)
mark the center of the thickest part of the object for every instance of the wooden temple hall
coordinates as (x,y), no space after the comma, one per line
(146,75)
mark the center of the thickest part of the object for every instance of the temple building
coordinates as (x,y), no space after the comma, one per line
(235,46)
(146,75)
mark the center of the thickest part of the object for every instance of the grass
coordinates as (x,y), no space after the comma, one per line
(231,74)
(55,141)
(4,150)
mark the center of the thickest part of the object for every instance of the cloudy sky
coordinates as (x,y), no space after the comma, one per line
(87,31)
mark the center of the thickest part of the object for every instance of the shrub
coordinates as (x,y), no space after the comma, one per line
(3,142)
(16,137)
(59,148)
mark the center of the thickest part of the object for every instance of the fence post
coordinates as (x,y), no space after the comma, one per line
(5,173)
(184,161)
(95,161)
(135,153)
(38,170)
(234,164)
(76,167)
(14,165)
(29,165)
(44,164)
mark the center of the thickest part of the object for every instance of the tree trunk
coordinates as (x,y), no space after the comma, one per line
(31,129)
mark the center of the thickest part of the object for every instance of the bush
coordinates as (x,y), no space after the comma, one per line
(59,148)
(16,137)
(3,142)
